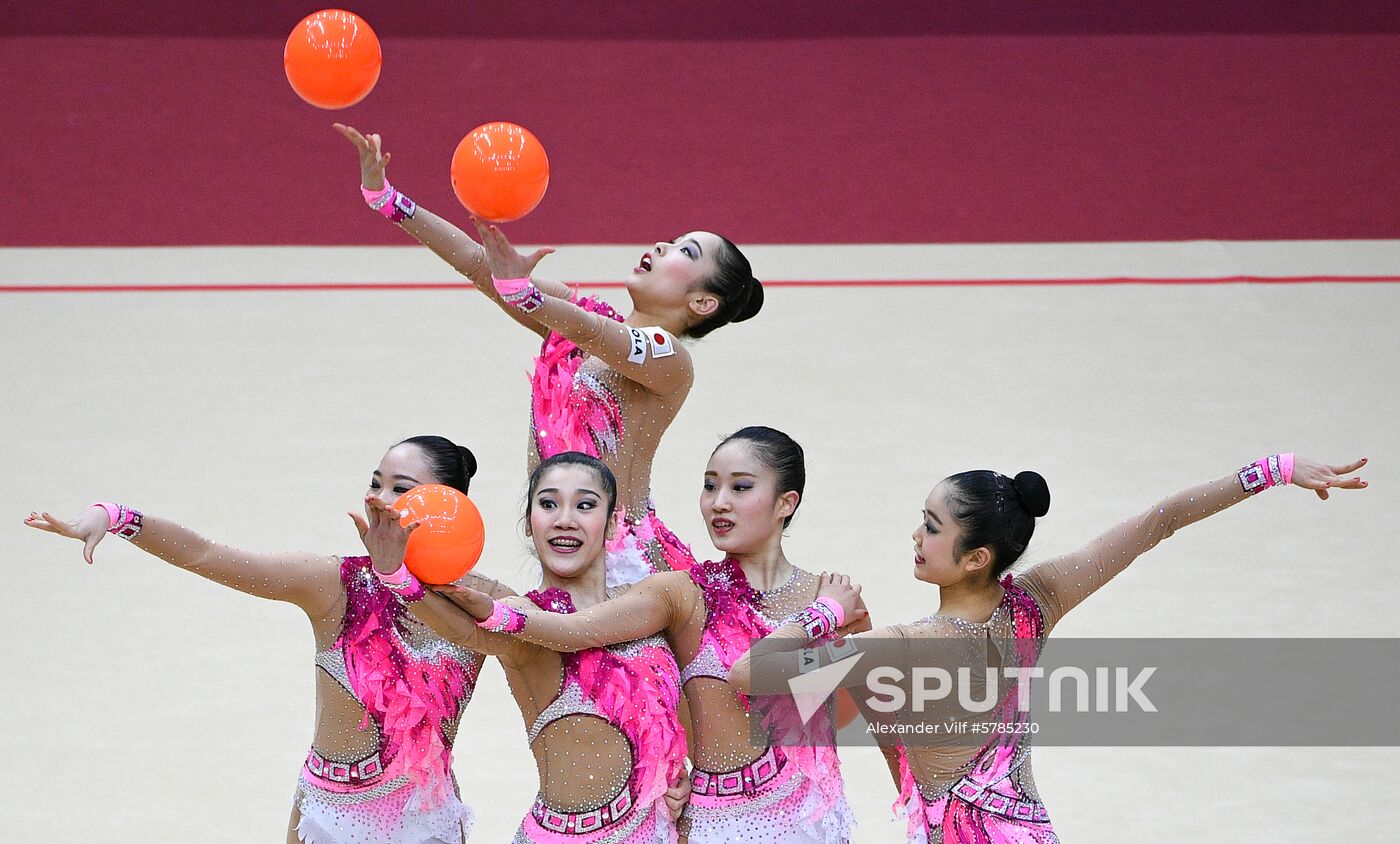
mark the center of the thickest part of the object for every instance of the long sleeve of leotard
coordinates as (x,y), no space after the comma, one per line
(651,357)
(449,622)
(656,603)
(310,581)
(1059,585)
(466,256)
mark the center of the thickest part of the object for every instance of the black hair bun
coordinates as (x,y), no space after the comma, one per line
(753,304)
(468,461)
(1033,492)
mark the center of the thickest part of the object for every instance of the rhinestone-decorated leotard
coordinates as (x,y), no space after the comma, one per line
(579,403)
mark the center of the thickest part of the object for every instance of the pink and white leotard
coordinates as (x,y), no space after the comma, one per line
(794,792)
(634,687)
(413,686)
(577,405)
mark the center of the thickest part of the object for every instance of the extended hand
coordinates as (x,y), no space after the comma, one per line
(505,261)
(384,537)
(1321,477)
(476,604)
(372,159)
(88,527)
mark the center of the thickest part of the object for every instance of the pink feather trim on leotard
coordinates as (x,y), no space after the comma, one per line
(566,418)
(732,625)
(637,690)
(959,820)
(410,698)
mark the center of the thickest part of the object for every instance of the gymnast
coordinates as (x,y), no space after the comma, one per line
(389,692)
(973,527)
(603,385)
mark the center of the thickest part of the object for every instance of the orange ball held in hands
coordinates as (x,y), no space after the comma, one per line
(500,172)
(450,533)
(332,59)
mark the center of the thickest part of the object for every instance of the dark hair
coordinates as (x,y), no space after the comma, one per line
(779,454)
(453,464)
(997,512)
(573,458)
(740,294)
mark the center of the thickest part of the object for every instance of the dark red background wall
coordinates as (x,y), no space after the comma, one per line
(771,122)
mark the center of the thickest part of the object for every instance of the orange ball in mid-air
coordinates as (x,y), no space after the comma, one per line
(500,172)
(450,534)
(332,59)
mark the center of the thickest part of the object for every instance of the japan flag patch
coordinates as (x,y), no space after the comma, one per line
(662,346)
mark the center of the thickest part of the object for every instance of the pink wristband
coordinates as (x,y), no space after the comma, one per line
(113,513)
(402,582)
(1268,472)
(503,619)
(520,293)
(376,198)
(835,607)
(397,577)
(122,521)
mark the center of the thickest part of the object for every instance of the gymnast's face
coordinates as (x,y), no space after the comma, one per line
(936,542)
(404,467)
(669,272)
(742,506)
(569,520)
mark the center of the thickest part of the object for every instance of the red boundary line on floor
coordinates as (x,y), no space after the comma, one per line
(410,285)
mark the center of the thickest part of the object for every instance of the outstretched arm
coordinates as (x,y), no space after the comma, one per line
(649,356)
(1059,585)
(445,240)
(386,540)
(659,602)
(310,581)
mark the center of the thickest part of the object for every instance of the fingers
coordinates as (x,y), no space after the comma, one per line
(34,520)
(360,524)
(538,255)
(1349,468)
(352,135)
(88,547)
(57,525)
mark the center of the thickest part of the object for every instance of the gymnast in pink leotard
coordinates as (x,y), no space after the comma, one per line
(389,692)
(602,722)
(751,784)
(603,384)
(975,525)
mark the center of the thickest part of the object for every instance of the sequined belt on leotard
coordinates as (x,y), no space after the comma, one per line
(363,772)
(997,803)
(746,780)
(581,822)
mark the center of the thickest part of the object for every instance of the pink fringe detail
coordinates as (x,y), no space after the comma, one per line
(410,699)
(566,419)
(640,695)
(732,624)
(961,821)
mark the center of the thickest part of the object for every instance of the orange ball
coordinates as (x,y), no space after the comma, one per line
(450,534)
(846,710)
(332,59)
(500,172)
